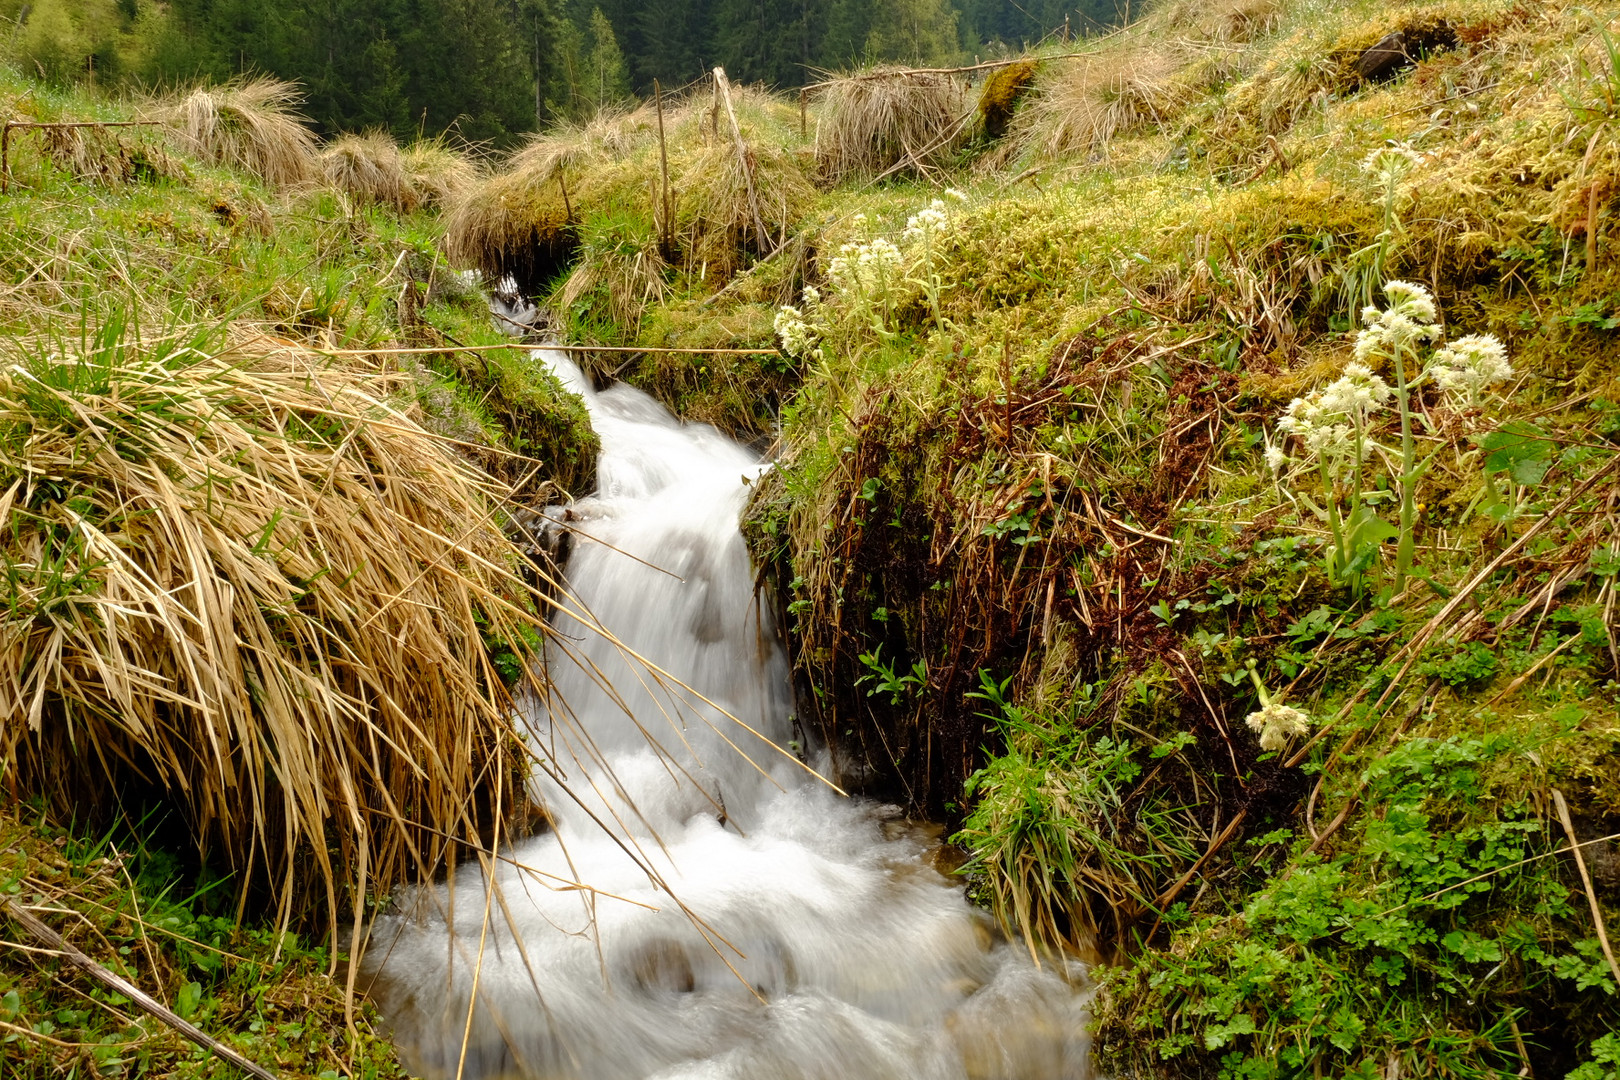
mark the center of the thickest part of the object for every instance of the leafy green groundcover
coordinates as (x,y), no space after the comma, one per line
(174,933)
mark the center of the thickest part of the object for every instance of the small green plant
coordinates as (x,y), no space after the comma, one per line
(1596,96)
(1050,840)
(886,679)
(1444,891)
(1334,426)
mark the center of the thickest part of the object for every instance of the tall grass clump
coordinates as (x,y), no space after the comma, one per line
(439,174)
(612,133)
(619,273)
(715,222)
(887,118)
(248,124)
(514,222)
(370,169)
(532,218)
(1082,105)
(239,579)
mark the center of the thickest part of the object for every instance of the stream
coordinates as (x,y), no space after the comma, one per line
(742,918)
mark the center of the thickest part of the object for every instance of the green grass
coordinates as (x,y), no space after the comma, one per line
(171,930)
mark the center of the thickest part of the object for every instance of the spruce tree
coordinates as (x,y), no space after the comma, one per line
(920,32)
(607,78)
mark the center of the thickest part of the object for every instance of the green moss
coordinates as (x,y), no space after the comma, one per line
(1002,92)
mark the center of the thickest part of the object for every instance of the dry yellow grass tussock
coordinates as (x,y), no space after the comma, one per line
(715,220)
(513,222)
(248,124)
(438,173)
(240,577)
(1084,103)
(613,133)
(369,168)
(877,120)
(1221,21)
(520,220)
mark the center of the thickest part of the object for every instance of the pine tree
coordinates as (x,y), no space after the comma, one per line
(849,23)
(768,41)
(607,79)
(921,32)
(678,43)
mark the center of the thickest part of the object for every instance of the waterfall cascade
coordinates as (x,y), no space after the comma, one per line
(742,919)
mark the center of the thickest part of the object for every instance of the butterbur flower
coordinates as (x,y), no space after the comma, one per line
(955,195)
(1408,322)
(1276,724)
(1275,458)
(798,336)
(1387,161)
(1356,394)
(1323,431)
(1470,364)
(927,222)
(1411,300)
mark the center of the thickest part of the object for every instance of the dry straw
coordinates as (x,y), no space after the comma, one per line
(1088,101)
(438,173)
(887,119)
(369,169)
(242,577)
(582,181)
(248,124)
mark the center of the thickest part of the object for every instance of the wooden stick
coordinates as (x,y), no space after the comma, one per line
(1591,203)
(802,127)
(430,349)
(83,123)
(568,211)
(663,166)
(986,66)
(724,88)
(71,953)
(1586,880)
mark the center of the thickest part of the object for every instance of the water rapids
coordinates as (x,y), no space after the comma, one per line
(743,920)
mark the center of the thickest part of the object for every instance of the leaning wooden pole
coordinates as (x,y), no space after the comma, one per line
(562,185)
(663,167)
(723,88)
(54,942)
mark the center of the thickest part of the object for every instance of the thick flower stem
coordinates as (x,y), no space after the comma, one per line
(1331,498)
(1404,546)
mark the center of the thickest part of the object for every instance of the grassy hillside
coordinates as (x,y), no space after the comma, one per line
(1198,476)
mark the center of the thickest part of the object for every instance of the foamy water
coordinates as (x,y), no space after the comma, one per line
(742,919)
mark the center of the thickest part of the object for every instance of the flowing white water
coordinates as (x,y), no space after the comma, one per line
(746,921)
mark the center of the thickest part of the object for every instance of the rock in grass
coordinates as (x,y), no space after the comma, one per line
(1384,59)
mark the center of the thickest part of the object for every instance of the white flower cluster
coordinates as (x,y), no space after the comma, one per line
(1390,162)
(928,222)
(865,268)
(798,337)
(1408,322)
(1470,364)
(1276,724)
(1333,422)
